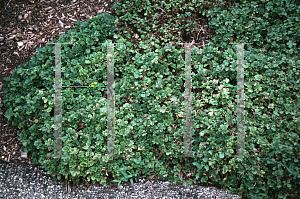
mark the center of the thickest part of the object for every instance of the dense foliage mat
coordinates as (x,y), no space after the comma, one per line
(149,98)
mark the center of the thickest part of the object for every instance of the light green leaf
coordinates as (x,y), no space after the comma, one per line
(162,110)
(221,155)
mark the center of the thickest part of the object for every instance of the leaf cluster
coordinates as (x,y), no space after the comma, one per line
(149,96)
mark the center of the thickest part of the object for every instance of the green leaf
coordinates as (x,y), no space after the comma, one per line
(198,165)
(206,167)
(162,110)
(221,155)
(251,177)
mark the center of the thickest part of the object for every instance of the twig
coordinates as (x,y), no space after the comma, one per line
(7,4)
(11,139)
(27,42)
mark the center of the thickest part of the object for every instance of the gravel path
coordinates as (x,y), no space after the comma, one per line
(23,181)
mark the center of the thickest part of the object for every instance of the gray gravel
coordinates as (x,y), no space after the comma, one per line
(23,181)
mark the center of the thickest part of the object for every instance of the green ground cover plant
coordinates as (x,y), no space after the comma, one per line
(149,96)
